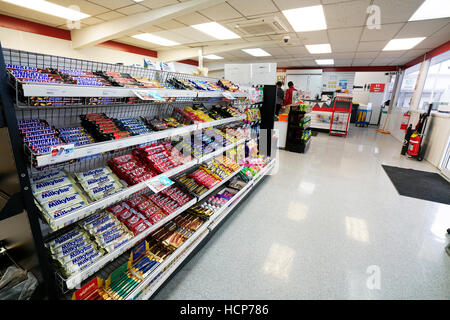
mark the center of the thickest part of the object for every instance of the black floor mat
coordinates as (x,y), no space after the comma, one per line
(419,184)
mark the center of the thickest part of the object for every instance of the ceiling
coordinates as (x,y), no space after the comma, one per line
(352,43)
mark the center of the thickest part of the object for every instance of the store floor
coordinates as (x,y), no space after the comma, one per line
(320,225)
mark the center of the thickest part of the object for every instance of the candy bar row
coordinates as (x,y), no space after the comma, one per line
(159,246)
(109,78)
(107,231)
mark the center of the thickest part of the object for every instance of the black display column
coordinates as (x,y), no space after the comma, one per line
(268,142)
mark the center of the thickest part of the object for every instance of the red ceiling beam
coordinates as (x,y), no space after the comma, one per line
(345,69)
(189,61)
(33,27)
(428,55)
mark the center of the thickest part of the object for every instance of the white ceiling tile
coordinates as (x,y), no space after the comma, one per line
(221,12)
(155,4)
(111,15)
(113,4)
(393,11)
(371,45)
(171,24)
(257,38)
(191,34)
(390,54)
(414,53)
(346,14)
(343,62)
(180,37)
(85,6)
(150,29)
(192,19)
(432,42)
(292,4)
(422,28)
(382,61)
(251,8)
(332,1)
(366,55)
(276,51)
(309,62)
(344,40)
(31,15)
(297,50)
(361,62)
(402,60)
(136,8)
(445,31)
(386,32)
(314,37)
(92,21)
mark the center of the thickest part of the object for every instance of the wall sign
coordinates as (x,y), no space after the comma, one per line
(377,87)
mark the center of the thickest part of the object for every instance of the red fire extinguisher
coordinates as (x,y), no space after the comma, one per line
(405,121)
(414,145)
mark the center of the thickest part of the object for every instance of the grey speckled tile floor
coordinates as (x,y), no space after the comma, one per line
(312,230)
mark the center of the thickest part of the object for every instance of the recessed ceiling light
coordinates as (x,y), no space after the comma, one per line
(306,19)
(325,61)
(155,39)
(402,44)
(212,57)
(432,9)
(216,30)
(138,0)
(256,52)
(319,48)
(50,8)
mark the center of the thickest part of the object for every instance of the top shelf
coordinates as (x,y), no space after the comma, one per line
(62,90)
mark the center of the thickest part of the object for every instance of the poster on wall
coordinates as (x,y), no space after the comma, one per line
(343,84)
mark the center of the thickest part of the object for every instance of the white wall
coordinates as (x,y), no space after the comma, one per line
(362,78)
(19,40)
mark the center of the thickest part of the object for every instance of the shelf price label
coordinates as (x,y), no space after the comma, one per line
(228,95)
(148,95)
(159,183)
(63,150)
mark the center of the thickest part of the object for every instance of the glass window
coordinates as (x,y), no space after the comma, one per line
(437,83)
(408,85)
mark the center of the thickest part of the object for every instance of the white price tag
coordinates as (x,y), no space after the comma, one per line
(108,93)
(159,183)
(228,95)
(62,151)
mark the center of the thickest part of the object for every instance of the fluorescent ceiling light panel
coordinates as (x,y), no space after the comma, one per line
(256,52)
(319,48)
(215,30)
(306,19)
(325,61)
(432,9)
(212,57)
(50,8)
(402,44)
(155,39)
(138,0)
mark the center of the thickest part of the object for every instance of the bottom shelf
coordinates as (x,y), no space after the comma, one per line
(173,263)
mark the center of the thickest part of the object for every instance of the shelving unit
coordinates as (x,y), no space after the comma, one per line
(157,278)
(299,124)
(93,155)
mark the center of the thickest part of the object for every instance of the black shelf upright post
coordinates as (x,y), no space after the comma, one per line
(21,167)
(268,119)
